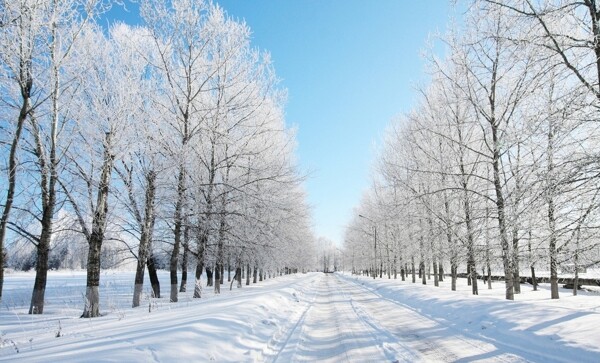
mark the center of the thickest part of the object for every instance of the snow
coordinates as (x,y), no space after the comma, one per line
(455,325)
(299,318)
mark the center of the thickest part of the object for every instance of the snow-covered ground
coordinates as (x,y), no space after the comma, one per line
(303,317)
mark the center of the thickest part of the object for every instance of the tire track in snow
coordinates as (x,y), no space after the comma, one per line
(393,349)
(344,315)
(277,345)
(487,347)
(330,329)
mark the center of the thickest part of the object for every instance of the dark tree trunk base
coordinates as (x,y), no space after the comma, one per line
(198,284)
(153,277)
(92,304)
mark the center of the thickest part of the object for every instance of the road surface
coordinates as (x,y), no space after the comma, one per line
(348,322)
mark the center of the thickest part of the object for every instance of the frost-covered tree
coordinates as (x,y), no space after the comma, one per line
(43,37)
(110,73)
(21,40)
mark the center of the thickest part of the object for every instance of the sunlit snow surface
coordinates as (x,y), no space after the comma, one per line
(299,318)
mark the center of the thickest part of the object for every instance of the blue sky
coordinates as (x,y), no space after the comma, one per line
(349,66)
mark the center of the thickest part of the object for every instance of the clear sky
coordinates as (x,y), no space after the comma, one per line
(349,66)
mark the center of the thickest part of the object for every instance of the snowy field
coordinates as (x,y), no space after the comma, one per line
(303,317)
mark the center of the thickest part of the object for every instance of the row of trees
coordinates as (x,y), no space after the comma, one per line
(496,167)
(168,136)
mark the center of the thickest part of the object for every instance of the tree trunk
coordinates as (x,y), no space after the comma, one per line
(145,238)
(453,272)
(447,221)
(220,249)
(254,274)
(92,293)
(138,286)
(153,275)
(198,284)
(533,279)
(12,170)
(209,276)
(471,270)
(184,261)
(238,274)
(473,275)
(41,273)
(414,279)
(48,170)
(576,260)
(229,271)
(92,306)
(49,178)
(422,255)
(553,253)
(576,280)
(200,263)
(178,221)
(218,275)
(25,81)
(516,275)
(506,260)
(531,264)
(248,274)
(551,218)
(389,264)
(231,284)
(142,260)
(432,255)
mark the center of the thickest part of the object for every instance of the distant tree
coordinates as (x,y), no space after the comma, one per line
(180,37)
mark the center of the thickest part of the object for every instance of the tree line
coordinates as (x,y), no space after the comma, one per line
(496,166)
(166,138)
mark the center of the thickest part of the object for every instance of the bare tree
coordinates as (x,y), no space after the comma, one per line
(109,74)
(21,35)
(181,38)
(46,129)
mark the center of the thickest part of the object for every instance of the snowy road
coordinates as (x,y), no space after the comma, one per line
(330,330)
(420,338)
(348,322)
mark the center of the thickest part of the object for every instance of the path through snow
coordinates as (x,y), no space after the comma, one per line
(330,330)
(348,322)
